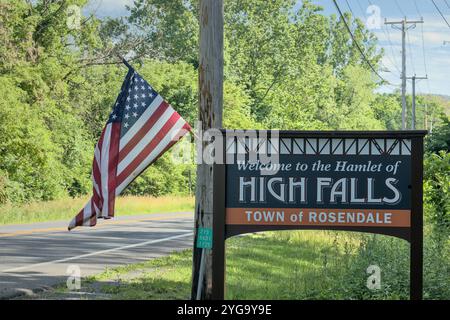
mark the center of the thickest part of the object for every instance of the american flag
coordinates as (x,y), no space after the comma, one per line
(141,127)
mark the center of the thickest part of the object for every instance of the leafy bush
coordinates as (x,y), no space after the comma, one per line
(439,139)
(437,190)
(392,256)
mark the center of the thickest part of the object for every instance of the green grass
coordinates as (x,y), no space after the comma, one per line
(65,209)
(162,278)
(288,265)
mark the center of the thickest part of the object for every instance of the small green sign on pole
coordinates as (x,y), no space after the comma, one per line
(204,238)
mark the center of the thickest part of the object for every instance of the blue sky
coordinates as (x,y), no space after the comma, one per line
(425,51)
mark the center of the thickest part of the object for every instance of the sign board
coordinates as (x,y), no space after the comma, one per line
(354,181)
(204,238)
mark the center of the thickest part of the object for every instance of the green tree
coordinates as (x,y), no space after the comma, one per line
(387,110)
(165,30)
(286,67)
(439,139)
(437,190)
(29,163)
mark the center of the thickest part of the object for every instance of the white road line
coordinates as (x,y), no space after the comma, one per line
(97,253)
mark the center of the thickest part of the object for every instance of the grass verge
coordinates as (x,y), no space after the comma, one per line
(285,265)
(66,209)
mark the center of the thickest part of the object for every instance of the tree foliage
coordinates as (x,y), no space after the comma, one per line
(287,66)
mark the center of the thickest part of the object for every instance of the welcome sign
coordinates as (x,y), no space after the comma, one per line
(354,181)
(320,183)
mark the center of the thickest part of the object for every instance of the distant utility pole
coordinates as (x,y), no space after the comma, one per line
(413,117)
(403,28)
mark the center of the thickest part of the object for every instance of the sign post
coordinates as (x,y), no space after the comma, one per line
(416,239)
(366,181)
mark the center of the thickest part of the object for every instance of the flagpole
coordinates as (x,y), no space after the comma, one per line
(125,62)
(201,275)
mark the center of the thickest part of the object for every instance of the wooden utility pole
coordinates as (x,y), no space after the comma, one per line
(403,28)
(413,111)
(210,77)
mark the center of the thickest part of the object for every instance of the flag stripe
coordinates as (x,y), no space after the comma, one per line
(143,131)
(186,128)
(141,121)
(96,173)
(96,177)
(87,212)
(104,167)
(148,148)
(112,166)
(79,218)
(158,149)
(96,199)
(93,218)
(144,142)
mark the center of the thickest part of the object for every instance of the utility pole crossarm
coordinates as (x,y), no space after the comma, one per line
(417,78)
(405,21)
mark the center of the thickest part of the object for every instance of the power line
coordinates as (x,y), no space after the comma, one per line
(413,78)
(411,57)
(403,28)
(350,8)
(423,38)
(426,72)
(440,12)
(448,6)
(357,44)
(425,60)
(400,9)
(384,68)
(391,46)
(423,46)
(410,53)
(393,60)
(360,7)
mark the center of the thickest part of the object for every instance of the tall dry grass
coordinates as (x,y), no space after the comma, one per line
(65,209)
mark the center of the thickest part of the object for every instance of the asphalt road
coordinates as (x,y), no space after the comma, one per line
(36,256)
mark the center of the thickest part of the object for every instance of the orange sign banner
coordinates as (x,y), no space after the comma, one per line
(318,217)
